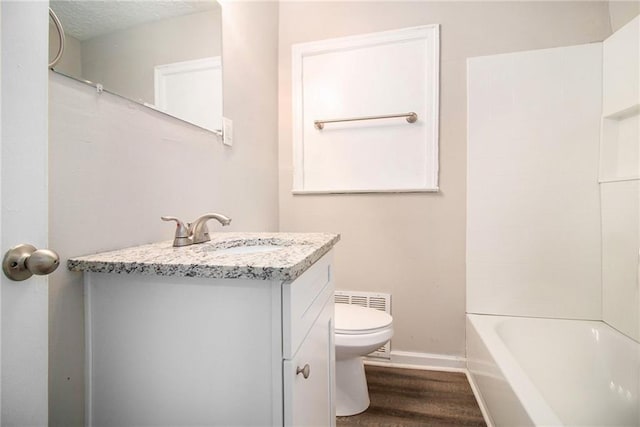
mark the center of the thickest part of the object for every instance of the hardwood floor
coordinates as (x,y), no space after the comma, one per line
(409,397)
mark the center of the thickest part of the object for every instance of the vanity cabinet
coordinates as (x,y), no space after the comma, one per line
(168,350)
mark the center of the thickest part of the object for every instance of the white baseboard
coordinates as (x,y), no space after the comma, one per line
(428,361)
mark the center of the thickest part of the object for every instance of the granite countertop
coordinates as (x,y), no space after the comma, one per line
(299,251)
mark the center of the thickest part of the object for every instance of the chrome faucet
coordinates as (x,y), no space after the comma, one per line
(198,229)
(195,232)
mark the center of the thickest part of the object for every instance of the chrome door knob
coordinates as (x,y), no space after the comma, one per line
(23,261)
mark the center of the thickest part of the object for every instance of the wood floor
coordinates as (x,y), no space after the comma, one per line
(408,397)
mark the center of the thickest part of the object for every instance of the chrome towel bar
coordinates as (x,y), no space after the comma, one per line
(411,118)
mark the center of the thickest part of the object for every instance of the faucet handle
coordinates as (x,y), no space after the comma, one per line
(182,232)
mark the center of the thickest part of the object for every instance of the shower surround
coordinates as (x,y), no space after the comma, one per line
(552,233)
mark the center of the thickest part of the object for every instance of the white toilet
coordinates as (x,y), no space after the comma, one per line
(358,332)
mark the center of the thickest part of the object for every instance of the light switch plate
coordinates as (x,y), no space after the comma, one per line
(227,131)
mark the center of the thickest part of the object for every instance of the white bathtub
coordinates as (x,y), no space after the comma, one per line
(547,372)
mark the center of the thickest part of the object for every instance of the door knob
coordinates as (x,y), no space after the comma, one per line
(23,261)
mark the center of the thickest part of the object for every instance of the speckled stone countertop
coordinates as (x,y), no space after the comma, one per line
(299,251)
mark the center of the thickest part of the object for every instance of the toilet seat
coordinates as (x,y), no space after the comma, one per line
(356,320)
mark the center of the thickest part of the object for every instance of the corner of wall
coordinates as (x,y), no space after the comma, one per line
(621,12)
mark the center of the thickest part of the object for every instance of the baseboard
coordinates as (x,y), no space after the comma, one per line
(428,361)
(478,396)
(433,362)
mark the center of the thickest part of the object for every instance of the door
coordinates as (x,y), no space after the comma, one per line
(23,209)
(309,386)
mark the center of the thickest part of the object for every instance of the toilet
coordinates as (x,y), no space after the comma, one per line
(358,332)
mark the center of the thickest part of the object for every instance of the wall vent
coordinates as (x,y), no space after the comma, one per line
(374,300)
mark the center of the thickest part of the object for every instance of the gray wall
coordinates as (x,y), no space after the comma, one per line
(71,62)
(116,167)
(622,12)
(413,245)
(124,61)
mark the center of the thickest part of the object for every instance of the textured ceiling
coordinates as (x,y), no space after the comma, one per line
(85,19)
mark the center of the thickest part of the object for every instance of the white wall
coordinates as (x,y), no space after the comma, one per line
(533,208)
(116,167)
(620,180)
(620,244)
(413,245)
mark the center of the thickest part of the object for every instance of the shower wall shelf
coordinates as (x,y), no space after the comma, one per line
(620,145)
(626,113)
(620,130)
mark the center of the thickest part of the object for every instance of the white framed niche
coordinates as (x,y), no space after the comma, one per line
(620,140)
(376,74)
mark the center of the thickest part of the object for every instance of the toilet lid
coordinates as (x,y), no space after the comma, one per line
(353,319)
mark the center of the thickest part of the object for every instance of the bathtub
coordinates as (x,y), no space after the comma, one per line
(548,372)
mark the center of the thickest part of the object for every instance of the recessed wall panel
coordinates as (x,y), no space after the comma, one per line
(376,96)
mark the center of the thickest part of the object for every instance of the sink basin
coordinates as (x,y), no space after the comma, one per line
(252,249)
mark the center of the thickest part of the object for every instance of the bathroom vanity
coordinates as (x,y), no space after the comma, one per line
(236,331)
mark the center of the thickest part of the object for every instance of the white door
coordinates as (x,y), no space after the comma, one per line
(23,210)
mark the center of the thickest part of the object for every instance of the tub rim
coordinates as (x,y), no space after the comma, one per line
(530,398)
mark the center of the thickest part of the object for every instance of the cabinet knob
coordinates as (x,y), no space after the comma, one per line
(304,371)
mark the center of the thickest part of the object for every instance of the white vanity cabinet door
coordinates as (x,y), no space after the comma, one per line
(302,301)
(177,351)
(310,401)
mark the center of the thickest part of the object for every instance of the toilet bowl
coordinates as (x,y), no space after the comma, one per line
(358,332)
